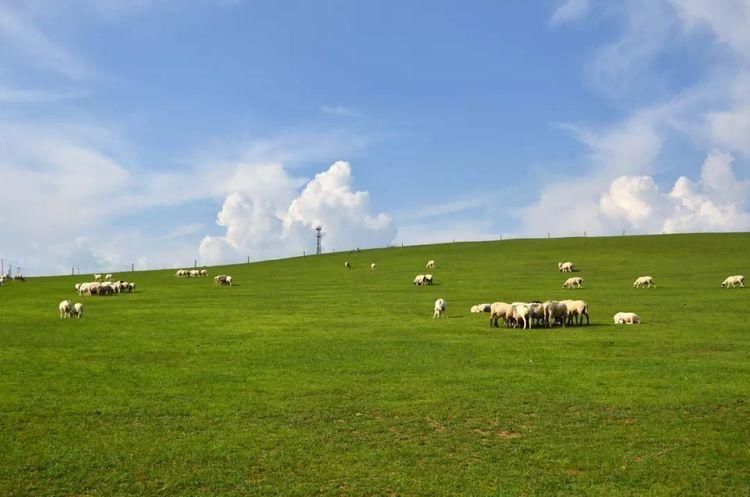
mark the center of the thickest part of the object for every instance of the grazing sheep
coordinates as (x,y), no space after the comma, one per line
(574,282)
(2,280)
(521,312)
(97,277)
(229,280)
(418,280)
(219,279)
(577,309)
(65,308)
(556,313)
(733,281)
(565,267)
(440,306)
(78,287)
(500,310)
(194,273)
(77,310)
(372,266)
(537,313)
(479,308)
(347,265)
(430,264)
(108,277)
(428,279)
(627,318)
(131,287)
(204,272)
(642,281)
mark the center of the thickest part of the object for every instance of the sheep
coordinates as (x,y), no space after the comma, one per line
(64,308)
(642,281)
(372,266)
(428,279)
(131,287)
(108,277)
(204,272)
(734,280)
(565,267)
(440,306)
(577,309)
(556,313)
(418,280)
(77,310)
(347,265)
(537,313)
(430,264)
(520,312)
(574,282)
(229,280)
(78,287)
(500,310)
(2,280)
(479,308)
(194,273)
(97,277)
(223,279)
(627,318)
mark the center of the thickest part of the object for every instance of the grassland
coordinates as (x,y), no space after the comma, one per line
(309,379)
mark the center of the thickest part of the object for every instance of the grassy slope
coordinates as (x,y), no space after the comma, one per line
(306,378)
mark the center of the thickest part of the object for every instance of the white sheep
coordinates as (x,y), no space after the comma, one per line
(555,313)
(480,308)
(418,280)
(229,280)
(577,309)
(430,264)
(574,282)
(64,308)
(627,318)
(77,310)
(428,279)
(565,267)
(521,311)
(733,281)
(642,281)
(97,277)
(440,306)
(131,287)
(108,277)
(500,310)
(372,266)
(347,265)
(204,272)
(194,273)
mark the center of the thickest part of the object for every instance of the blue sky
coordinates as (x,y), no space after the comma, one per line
(160,132)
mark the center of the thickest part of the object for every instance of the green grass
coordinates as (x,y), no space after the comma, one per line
(309,379)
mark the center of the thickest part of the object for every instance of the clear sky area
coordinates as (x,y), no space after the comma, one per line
(163,132)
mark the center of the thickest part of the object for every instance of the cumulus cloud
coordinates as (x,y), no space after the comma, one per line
(715,202)
(258,228)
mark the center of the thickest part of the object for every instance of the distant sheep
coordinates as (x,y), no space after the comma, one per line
(565,267)
(642,281)
(520,313)
(500,310)
(440,306)
(627,318)
(108,277)
(734,281)
(430,264)
(372,266)
(428,279)
(222,279)
(480,308)
(418,280)
(556,313)
(574,282)
(97,277)
(577,309)
(204,272)
(77,310)
(65,308)
(347,265)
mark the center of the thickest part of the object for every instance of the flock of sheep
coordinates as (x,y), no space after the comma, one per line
(516,314)
(551,312)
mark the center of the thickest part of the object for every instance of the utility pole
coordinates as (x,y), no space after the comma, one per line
(318,236)
(2,267)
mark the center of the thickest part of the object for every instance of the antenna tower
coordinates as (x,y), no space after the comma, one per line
(318,237)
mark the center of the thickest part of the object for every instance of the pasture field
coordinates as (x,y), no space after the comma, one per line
(306,378)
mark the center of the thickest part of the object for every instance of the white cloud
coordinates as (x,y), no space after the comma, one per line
(338,110)
(258,228)
(570,11)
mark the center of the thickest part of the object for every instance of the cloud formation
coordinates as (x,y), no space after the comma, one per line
(262,226)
